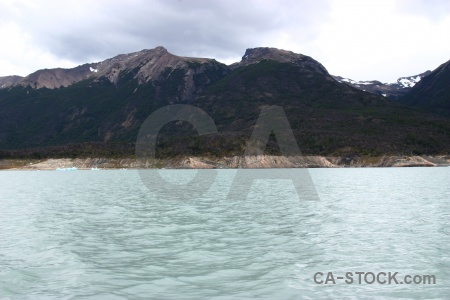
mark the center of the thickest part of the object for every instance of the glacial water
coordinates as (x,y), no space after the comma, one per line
(105,235)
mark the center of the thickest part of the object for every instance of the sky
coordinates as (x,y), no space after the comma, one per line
(361,40)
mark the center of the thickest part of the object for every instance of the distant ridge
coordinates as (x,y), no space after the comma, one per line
(390,90)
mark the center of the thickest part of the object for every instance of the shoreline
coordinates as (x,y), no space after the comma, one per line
(235,162)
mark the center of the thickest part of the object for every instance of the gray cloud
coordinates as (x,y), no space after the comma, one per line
(86,31)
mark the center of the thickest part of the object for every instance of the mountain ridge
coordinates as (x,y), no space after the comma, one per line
(151,64)
(102,112)
(111,67)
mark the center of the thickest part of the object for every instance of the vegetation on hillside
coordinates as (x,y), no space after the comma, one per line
(94,118)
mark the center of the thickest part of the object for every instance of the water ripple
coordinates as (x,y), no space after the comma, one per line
(98,235)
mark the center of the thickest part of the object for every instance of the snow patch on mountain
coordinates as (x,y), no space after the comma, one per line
(393,89)
(408,82)
(355,82)
(402,82)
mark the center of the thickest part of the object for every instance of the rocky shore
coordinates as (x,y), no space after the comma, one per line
(249,162)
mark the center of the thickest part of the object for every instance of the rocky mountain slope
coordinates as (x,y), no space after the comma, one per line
(97,109)
(393,90)
(145,66)
(8,81)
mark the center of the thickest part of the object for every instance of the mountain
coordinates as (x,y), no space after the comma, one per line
(433,92)
(326,116)
(393,90)
(144,66)
(97,109)
(106,101)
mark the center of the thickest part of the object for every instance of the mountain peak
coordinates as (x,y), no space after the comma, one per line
(252,54)
(256,55)
(160,49)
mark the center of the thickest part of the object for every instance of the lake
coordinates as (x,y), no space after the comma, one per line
(107,235)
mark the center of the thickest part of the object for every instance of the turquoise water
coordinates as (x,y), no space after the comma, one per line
(104,235)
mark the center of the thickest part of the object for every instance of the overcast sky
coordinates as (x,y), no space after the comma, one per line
(362,40)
